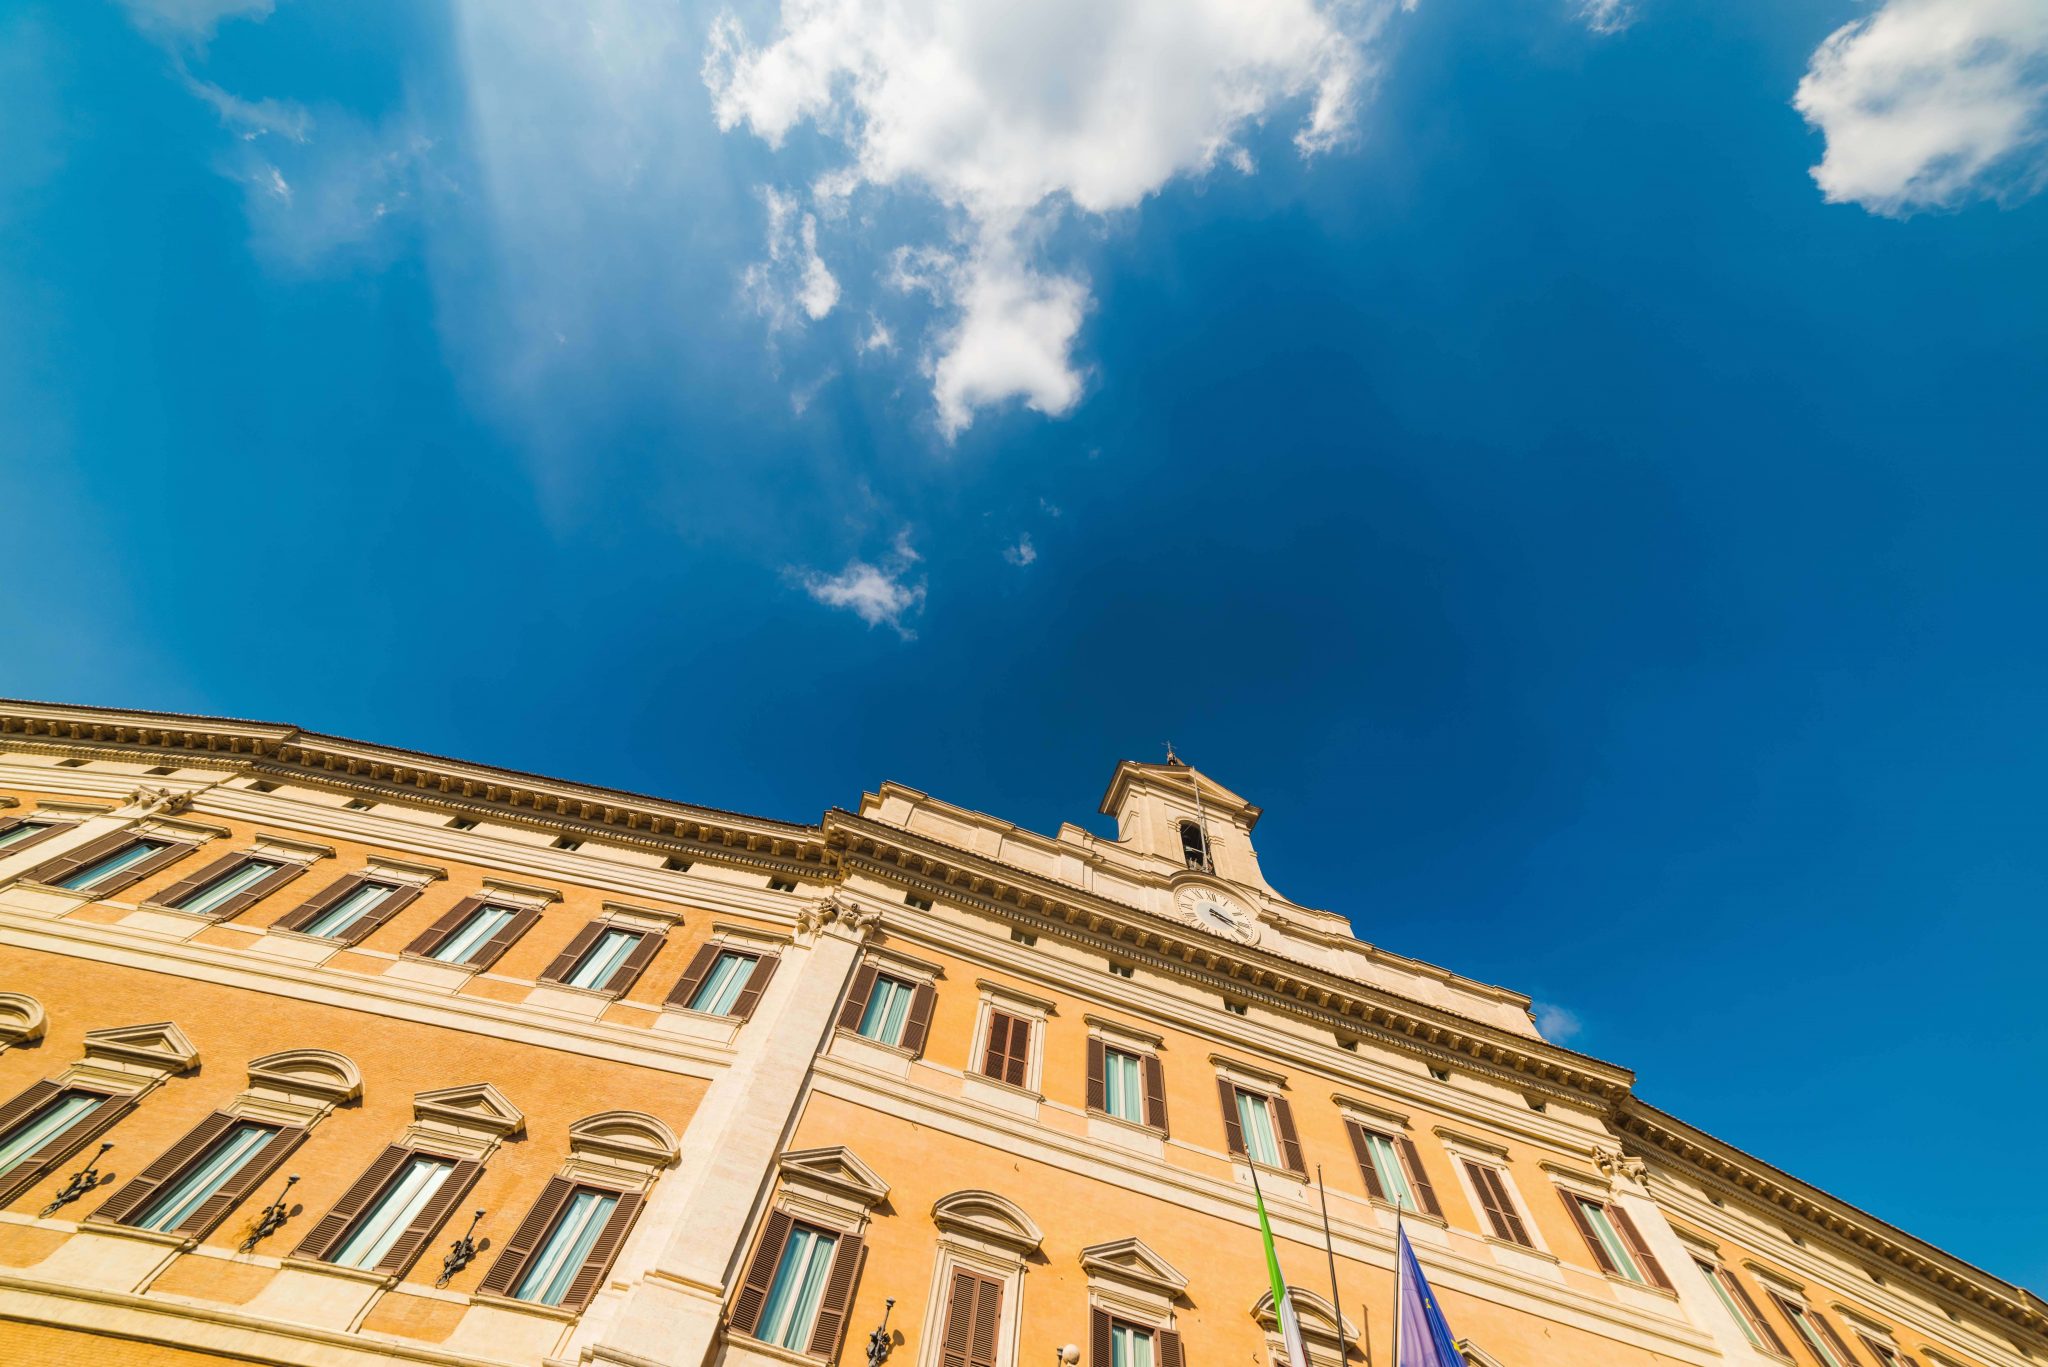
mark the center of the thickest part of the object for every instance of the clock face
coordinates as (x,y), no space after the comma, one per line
(1218,914)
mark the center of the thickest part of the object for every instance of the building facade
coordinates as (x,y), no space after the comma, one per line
(320,1052)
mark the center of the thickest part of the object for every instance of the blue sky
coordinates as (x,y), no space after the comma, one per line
(1579,467)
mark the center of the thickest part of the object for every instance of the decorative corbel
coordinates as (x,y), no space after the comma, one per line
(148,800)
(836,909)
(1620,1167)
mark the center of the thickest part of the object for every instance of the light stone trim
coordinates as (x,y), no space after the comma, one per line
(22,1020)
(383,867)
(519,894)
(654,920)
(1129,1280)
(1126,1037)
(1250,1076)
(292,851)
(982,1232)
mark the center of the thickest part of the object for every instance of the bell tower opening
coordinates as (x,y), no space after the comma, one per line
(1194,847)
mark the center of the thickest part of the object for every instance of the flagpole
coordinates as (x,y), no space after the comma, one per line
(1330,1247)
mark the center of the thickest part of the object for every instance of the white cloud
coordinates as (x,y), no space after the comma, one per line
(1051,509)
(794,279)
(1021,554)
(878,337)
(192,19)
(875,593)
(1929,103)
(1011,116)
(1554,1022)
(1607,16)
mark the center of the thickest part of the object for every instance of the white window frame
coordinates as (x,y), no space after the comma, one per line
(1464,1148)
(1012,1002)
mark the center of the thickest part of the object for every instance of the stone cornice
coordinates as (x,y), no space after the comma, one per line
(288,754)
(927,865)
(1750,1177)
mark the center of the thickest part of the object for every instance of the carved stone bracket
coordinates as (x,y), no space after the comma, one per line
(1622,1167)
(840,910)
(149,800)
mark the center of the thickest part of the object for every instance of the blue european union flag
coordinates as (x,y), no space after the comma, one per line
(1421,1337)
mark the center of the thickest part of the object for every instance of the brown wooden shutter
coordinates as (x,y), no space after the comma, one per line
(504,1273)
(589,1277)
(1827,1331)
(746,1308)
(566,960)
(693,976)
(757,983)
(18,846)
(1290,1142)
(1756,1316)
(127,1198)
(64,865)
(435,935)
(320,1241)
(507,935)
(1600,1258)
(839,1287)
(1792,1312)
(635,963)
(306,912)
(255,1168)
(973,1321)
(1016,1070)
(1168,1343)
(1008,1041)
(1097,1064)
(62,1144)
(399,1259)
(142,868)
(959,1327)
(1363,1149)
(1881,1355)
(185,887)
(1155,1092)
(402,895)
(1099,1354)
(1425,1194)
(1499,1207)
(917,1027)
(1634,1238)
(1233,1129)
(857,997)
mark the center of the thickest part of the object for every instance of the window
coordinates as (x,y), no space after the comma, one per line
(462,823)
(70,764)
(595,968)
(1440,1074)
(790,1315)
(781,885)
(1236,1008)
(1611,1236)
(1121,970)
(21,832)
(475,932)
(887,1009)
(1740,1307)
(263,785)
(60,1113)
(160,769)
(1816,1333)
(1129,1346)
(1392,1169)
(357,804)
(568,1243)
(1194,846)
(1007,1057)
(721,988)
(568,842)
(230,884)
(337,920)
(221,1161)
(675,863)
(921,903)
(1496,1204)
(1123,1093)
(371,1238)
(1259,1126)
(1023,937)
(106,867)
(973,1321)
(1116,1342)
(1886,1355)
(1255,1115)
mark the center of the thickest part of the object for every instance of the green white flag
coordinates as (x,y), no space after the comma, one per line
(1283,1304)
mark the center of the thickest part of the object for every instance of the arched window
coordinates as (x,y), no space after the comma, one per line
(1194,846)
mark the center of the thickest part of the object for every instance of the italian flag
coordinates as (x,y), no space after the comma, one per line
(1283,1304)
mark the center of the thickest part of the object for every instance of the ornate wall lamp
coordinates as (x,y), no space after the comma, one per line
(273,1216)
(878,1341)
(462,1252)
(85,1180)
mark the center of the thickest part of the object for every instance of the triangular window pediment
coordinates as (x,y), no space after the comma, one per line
(837,1170)
(159,1047)
(1130,1262)
(474,1106)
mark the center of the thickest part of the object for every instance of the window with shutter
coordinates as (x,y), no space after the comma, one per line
(21,832)
(1739,1307)
(230,885)
(718,993)
(385,1219)
(1815,1333)
(1503,1220)
(887,1012)
(199,1179)
(563,1260)
(789,1316)
(104,867)
(1007,1057)
(46,1124)
(608,958)
(473,932)
(1603,1240)
(973,1321)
